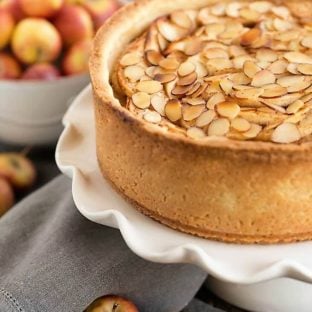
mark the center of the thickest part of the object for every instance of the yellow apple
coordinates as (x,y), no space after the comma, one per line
(40,8)
(17,169)
(36,40)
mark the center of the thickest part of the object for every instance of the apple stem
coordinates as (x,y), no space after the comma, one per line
(115,307)
(26,151)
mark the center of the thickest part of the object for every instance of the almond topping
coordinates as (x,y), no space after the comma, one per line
(219,127)
(164,78)
(251,69)
(262,78)
(240,124)
(298,57)
(134,73)
(305,69)
(226,85)
(130,59)
(205,118)
(228,109)
(214,100)
(181,19)
(152,117)
(158,102)
(173,110)
(169,63)
(195,133)
(250,37)
(186,68)
(187,80)
(295,107)
(192,112)
(273,90)
(141,100)
(170,31)
(286,133)
(307,42)
(149,86)
(153,57)
(249,93)
(253,132)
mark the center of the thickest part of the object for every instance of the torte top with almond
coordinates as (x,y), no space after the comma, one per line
(240,70)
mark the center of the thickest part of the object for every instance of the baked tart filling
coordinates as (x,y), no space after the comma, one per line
(237,70)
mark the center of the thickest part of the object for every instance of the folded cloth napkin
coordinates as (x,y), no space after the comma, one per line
(53,259)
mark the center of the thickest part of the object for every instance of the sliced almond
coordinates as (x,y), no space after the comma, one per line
(219,127)
(266,55)
(169,86)
(240,124)
(149,86)
(240,79)
(263,77)
(288,81)
(170,31)
(173,110)
(164,78)
(212,30)
(132,58)
(206,118)
(162,42)
(250,37)
(226,85)
(187,80)
(298,57)
(216,53)
(153,57)
(305,69)
(249,15)
(192,112)
(286,133)
(253,93)
(194,88)
(193,47)
(299,86)
(195,133)
(232,9)
(186,68)
(278,67)
(218,9)
(295,107)
(261,6)
(181,19)
(134,73)
(281,25)
(236,51)
(158,102)
(194,101)
(151,71)
(218,64)
(283,101)
(214,100)
(281,11)
(251,69)
(169,63)
(199,91)
(273,90)
(201,70)
(292,68)
(239,61)
(307,42)
(253,132)
(181,90)
(141,100)
(228,109)
(152,117)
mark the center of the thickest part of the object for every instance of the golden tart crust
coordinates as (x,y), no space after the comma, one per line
(228,190)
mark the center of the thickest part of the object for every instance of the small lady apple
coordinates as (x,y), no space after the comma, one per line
(40,8)
(17,169)
(36,40)
(74,24)
(41,71)
(9,67)
(6,27)
(112,304)
(6,196)
(76,60)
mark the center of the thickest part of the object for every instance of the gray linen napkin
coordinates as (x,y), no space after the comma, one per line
(53,259)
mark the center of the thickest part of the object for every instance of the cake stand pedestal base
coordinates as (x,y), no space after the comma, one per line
(279,295)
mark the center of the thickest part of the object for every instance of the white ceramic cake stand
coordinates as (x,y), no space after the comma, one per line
(274,278)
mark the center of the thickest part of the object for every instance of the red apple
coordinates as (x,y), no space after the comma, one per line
(100,10)
(41,8)
(17,169)
(6,196)
(74,24)
(112,304)
(7,26)
(36,40)
(9,67)
(76,60)
(41,71)
(13,7)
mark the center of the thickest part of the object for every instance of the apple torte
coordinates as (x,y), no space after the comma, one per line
(204,115)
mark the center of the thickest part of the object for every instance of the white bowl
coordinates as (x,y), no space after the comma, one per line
(31,111)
